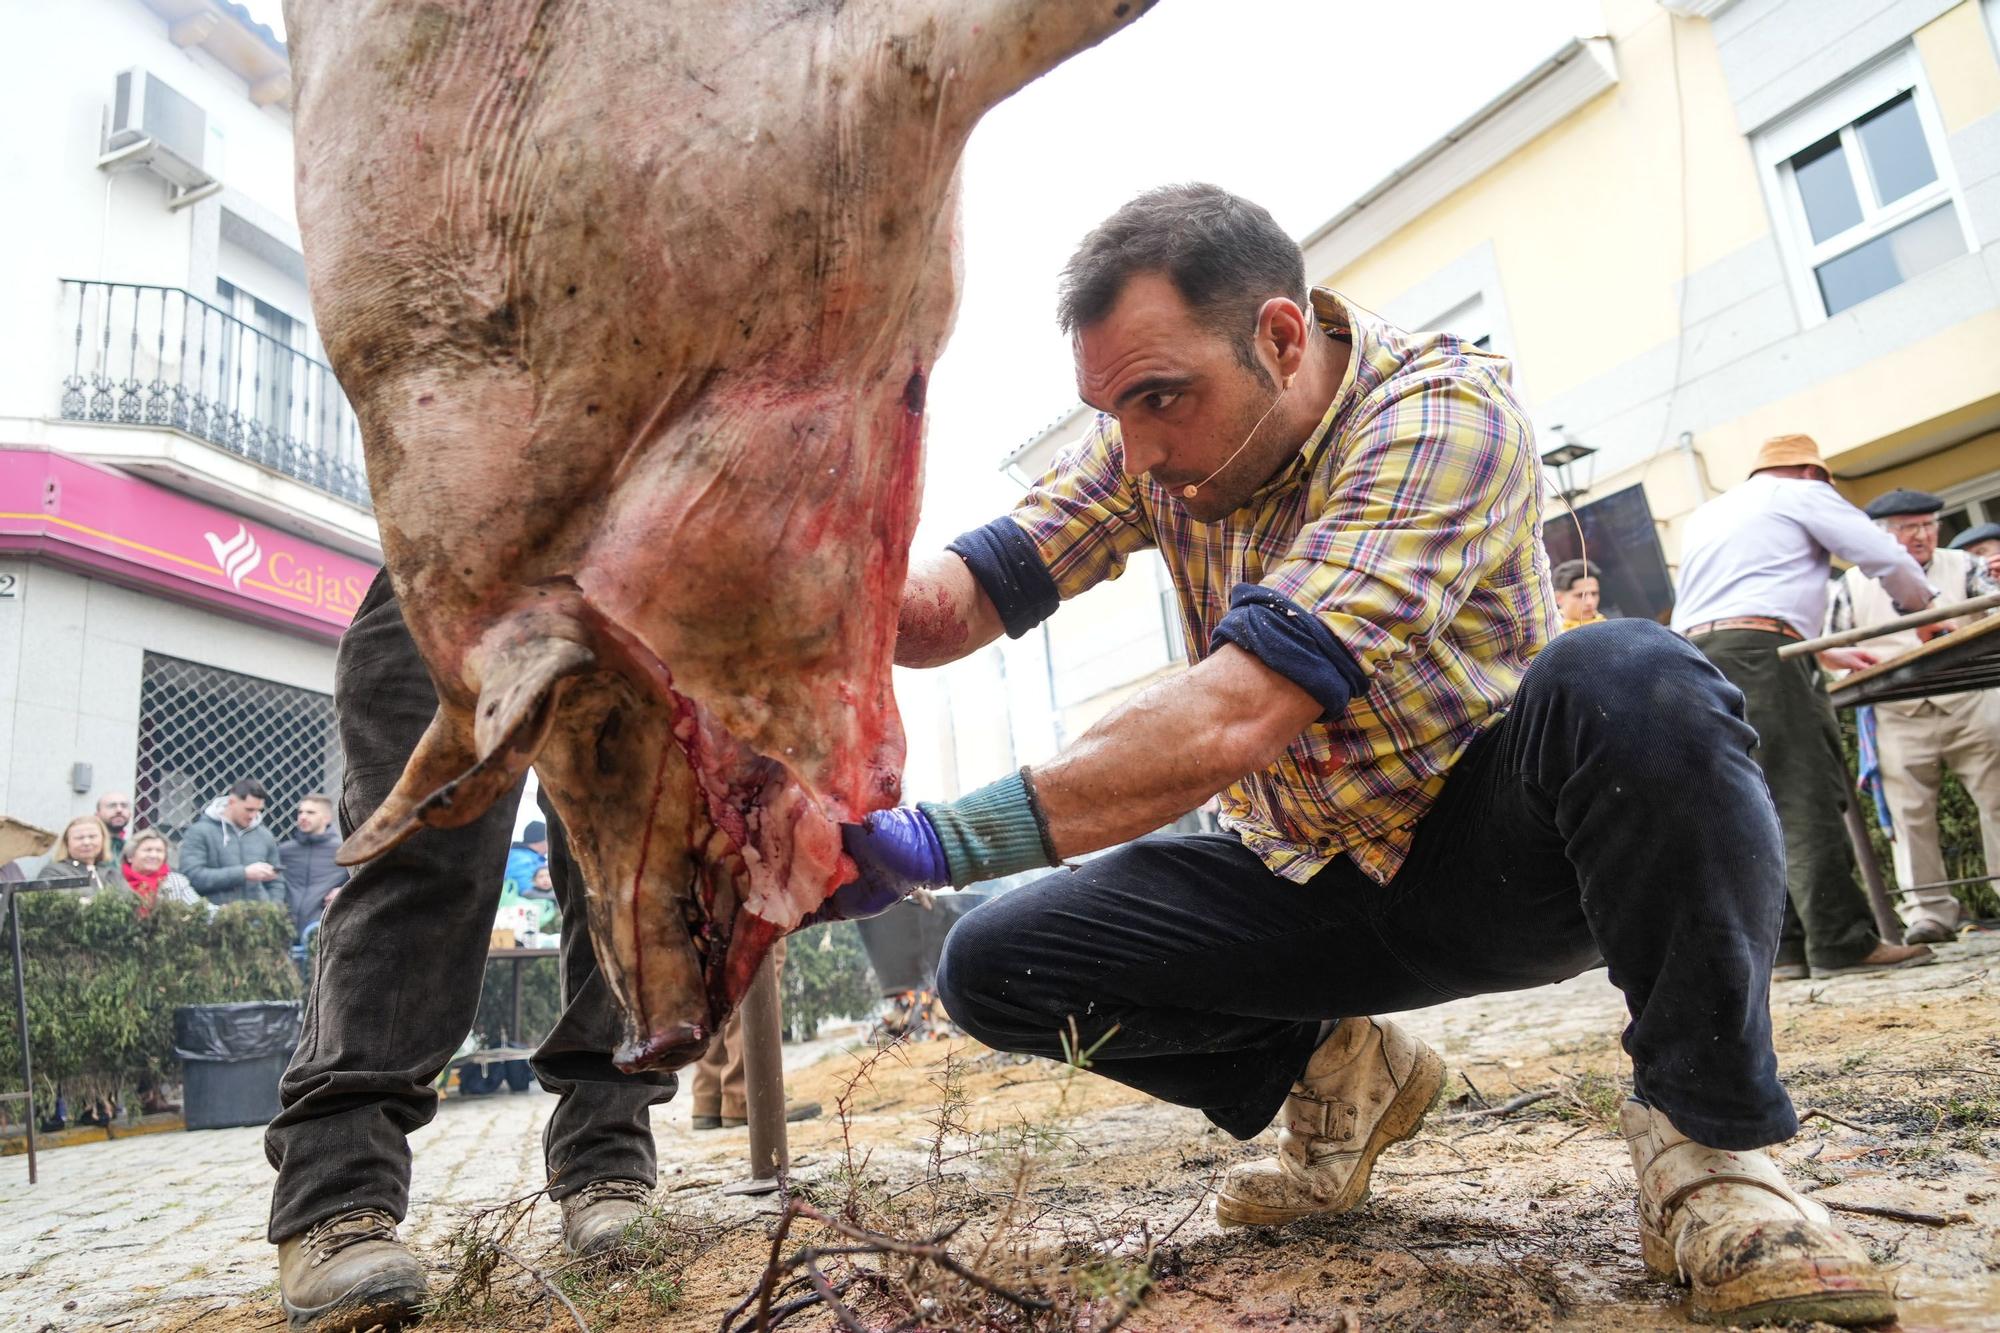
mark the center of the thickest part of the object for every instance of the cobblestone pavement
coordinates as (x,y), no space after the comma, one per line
(115,1230)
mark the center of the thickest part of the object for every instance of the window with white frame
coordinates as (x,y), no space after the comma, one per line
(1863,187)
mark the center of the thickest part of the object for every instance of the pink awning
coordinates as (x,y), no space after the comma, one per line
(133,532)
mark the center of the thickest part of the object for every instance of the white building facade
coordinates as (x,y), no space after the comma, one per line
(184,518)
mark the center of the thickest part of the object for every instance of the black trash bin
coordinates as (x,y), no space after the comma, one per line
(232,1056)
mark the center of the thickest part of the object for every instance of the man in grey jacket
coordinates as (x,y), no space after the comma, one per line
(311,873)
(228,854)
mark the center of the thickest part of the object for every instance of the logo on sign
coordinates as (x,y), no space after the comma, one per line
(239,556)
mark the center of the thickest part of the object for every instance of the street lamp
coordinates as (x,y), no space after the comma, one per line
(1564,458)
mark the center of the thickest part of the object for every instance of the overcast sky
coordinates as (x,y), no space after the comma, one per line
(1298,104)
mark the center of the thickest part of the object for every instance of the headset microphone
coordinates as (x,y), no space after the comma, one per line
(1189,491)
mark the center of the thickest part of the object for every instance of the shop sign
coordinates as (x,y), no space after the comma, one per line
(134,532)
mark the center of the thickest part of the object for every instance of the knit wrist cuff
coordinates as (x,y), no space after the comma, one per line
(997,830)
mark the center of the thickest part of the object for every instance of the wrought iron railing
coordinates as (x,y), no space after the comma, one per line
(161,356)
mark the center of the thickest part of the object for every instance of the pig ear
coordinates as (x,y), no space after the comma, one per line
(446,784)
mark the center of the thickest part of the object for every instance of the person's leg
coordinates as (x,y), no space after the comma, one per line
(1617,809)
(1186,968)
(400,954)
(709,1070)
(1798,751)
(602,1128)
(1912,753)
(1974,756)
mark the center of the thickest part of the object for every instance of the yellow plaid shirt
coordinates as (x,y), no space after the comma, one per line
(1410,523)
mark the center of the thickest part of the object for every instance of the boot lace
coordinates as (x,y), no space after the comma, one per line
(605,1191)
(328,1238)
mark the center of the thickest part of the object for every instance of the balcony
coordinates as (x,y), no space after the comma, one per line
(165,358)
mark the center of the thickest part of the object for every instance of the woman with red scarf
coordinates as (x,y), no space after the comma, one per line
(147,874)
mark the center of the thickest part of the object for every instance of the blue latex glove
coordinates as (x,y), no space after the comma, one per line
(897,851)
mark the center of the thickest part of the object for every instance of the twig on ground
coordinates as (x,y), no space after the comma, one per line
(1505,1108)
(554,1290)
(1477,1094)
(1898,1214)
(1817,1114)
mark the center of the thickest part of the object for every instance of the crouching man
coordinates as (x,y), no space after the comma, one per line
(1425,796)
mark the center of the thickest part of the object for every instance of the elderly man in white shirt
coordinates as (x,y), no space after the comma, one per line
(1754,570)
(1918,739)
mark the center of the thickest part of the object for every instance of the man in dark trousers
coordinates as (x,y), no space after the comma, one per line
(307,857)
(1754,567)
(1424,796)
(402,952)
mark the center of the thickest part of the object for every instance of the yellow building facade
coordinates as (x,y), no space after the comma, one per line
(1739,220)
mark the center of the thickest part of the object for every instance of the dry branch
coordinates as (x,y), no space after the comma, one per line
(1898,1214)
(1505,1108)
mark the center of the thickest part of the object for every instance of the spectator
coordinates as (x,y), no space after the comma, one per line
(527,856)
(147,874)
(83,853)
(1577,592)
(311,873)
(1983,544)
(720,1085)
(227,853)
(114,809)
(1917,739)
(1754,567)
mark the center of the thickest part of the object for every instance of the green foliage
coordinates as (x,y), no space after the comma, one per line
(103,983)
(826,976)
(1958,834)
(541,1001)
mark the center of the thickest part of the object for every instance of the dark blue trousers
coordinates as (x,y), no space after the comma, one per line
(1614,814)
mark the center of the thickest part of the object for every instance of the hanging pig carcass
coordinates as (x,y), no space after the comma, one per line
(636,302)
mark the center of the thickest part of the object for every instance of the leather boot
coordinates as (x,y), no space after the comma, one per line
(349,1272)
(1750,1249)
(595,1217)
(1367,1086)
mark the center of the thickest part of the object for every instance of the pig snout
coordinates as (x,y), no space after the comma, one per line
(631,810)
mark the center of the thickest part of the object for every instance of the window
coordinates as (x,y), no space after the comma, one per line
(1863,189)
(1969,505)
(202,728)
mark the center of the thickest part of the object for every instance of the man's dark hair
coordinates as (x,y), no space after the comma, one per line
(1226,256)
(1569,571)
(244,788)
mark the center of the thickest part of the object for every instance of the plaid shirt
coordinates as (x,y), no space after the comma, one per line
(1409,523)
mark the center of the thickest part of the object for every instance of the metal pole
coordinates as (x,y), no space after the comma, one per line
(21,1016)
(764,1075)
(1929,617)
(1886,920)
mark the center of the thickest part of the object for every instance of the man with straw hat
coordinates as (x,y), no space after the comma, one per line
(1754,569)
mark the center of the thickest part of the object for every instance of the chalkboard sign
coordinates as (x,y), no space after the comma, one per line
(1624,544)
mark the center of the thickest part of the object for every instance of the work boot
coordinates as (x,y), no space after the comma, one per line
(1750,1250)
(1367,1086)
(349,1272)
(1884,957)
(595,1217)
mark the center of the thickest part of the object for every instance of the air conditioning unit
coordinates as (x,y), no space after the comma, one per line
(145,111)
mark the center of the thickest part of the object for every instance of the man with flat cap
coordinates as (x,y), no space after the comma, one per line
(1754,568)
(1983,545)
(1918,739)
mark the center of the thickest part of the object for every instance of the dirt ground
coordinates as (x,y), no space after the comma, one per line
(1071,1188)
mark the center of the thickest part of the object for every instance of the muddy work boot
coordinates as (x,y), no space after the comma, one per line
(347,1273)
(1366,1087)
(1750,1250)
(596,1216)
